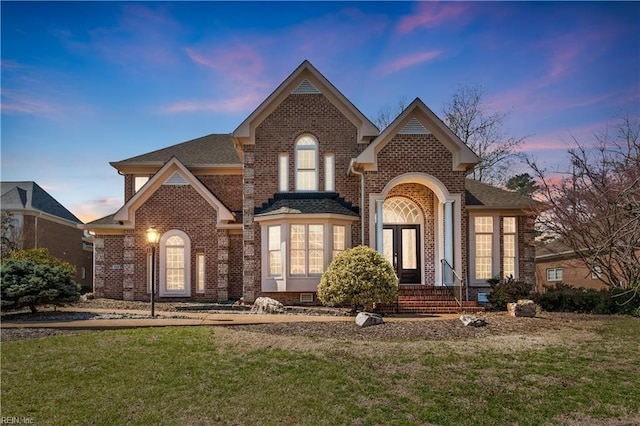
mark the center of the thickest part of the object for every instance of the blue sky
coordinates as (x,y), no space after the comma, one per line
(86,83)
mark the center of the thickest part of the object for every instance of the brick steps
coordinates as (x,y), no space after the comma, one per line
(427,300)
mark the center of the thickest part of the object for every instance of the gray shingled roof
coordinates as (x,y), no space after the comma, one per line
(107,220)
(480,194)
(313,203)
(210,149)
(31,197)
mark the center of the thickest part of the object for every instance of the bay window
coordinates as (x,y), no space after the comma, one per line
(307,252)
(295,254)
(275,252)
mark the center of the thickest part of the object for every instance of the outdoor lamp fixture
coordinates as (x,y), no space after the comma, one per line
(153,236)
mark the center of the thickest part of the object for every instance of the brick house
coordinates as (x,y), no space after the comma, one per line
(558,263)
(40,221)
(263,210)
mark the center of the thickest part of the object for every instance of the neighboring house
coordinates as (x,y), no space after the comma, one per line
(557,263)
(39,221)
(262,211)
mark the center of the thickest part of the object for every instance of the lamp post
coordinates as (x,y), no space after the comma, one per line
(153,236)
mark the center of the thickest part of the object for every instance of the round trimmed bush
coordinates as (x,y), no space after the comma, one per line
(358,277)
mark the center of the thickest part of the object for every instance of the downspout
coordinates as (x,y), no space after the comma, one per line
(361,175)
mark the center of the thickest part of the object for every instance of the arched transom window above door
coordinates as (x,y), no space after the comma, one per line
(400,210)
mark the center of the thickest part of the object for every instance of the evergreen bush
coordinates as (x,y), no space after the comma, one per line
(563,297)
(25,282)
(358,277)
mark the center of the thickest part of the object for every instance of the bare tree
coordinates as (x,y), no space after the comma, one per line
(10,238)
(387,113)
(484,133)
(595,208)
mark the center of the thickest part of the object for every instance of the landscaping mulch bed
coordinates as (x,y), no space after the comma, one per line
(498,323)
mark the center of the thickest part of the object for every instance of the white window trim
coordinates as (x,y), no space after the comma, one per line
(306,148)
(555,273)
(329,173)
(201,280)
(268,252)
(297,283)
(186,292)
(516,270)
(307,249)
(495,248)
(138,186)
(283,173)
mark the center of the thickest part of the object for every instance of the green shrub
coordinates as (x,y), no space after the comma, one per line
(26,283)
(508,291)
(357,277)
(42,255)
(567,298)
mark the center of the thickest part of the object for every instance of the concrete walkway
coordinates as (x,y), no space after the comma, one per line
(186,319)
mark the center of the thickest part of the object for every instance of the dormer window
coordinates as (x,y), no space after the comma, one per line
(306,163)
(138,182)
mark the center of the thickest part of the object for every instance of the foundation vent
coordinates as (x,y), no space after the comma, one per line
(305,88)
(414,127)
(306,297)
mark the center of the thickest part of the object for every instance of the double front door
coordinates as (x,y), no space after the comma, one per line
(402,248)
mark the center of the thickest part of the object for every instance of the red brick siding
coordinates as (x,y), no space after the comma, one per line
(178,207)
(296,115)
(419,154)
(235,266)
(63,241)
(109,252)
(226,188)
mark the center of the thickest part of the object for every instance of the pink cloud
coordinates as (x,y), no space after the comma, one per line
(240,63)
(21,103)
(230,105)
(406,62)
(432,14)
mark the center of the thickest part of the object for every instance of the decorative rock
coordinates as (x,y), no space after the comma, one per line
(366,319)
(523,308)
(267,305)
(472,321)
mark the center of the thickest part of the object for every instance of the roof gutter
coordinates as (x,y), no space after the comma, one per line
(361,175)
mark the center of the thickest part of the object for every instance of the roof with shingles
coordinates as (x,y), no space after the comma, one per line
(312,203)
(31,197)
(481,195)
(211,149)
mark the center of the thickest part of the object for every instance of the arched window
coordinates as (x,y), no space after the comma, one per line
(175,261)
(400,210)
(306,163)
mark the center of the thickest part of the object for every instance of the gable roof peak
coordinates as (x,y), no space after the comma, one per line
(245,132)
(463,156)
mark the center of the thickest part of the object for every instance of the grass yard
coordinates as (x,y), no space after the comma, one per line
(206,375)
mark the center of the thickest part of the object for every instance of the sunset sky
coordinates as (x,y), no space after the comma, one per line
(86,83)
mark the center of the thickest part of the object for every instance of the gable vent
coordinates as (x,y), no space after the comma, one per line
(305,88)
(176,179)
(414,127)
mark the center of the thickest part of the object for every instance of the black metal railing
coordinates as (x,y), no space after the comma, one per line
(452,281)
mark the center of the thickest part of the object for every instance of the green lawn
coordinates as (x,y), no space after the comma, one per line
(202,375)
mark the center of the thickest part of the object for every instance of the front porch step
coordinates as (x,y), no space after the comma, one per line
(419,299)
(430,310)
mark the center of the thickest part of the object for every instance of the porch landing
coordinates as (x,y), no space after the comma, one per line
(421,299)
